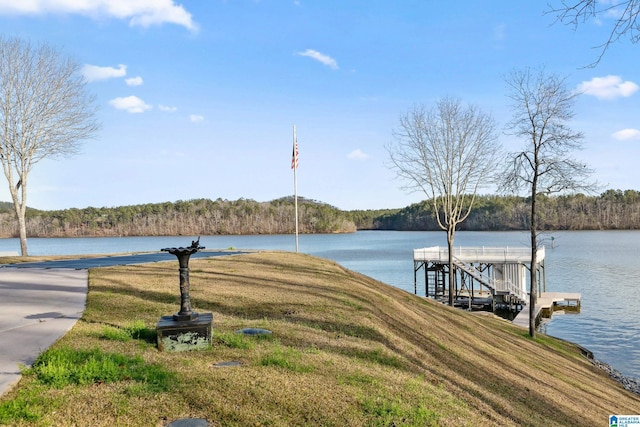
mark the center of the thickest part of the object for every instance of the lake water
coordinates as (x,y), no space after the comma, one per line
(604,266)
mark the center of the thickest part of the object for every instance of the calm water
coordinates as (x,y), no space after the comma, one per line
(604,266)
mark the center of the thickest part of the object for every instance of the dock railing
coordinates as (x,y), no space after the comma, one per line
(508,287)
(498,286)
(477,254)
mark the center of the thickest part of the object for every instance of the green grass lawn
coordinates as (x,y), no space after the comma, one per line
(345,350)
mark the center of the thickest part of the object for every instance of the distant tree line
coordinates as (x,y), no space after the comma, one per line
(191,217)
(611,210)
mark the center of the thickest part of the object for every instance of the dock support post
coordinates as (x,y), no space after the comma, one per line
(426,280)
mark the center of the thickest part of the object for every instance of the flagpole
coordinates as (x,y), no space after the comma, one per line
(295,180)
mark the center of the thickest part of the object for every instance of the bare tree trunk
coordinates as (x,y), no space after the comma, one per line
(450,236)
(22,229)
(18,196)
(533,270)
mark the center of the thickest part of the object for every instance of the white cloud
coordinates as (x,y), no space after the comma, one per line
(166,108)
(196,118)
(131,104)
(134,81)
(320,57)
(608,87)
(627,134)
(499,32)
(144,13)
(94,72)
(357,154)
(612,11)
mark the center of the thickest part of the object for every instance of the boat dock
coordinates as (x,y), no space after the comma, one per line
(500,271)
(546,303)
(496,278)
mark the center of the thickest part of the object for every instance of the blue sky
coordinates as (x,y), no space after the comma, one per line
(198,98)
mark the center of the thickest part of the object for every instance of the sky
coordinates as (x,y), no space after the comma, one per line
(198,99)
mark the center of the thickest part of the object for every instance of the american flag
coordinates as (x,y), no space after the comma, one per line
(294,156)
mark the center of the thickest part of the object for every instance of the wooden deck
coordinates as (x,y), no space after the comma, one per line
(545,305)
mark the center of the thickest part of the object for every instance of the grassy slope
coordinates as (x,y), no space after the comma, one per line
(345,350)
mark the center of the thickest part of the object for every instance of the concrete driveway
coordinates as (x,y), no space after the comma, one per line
(37,306)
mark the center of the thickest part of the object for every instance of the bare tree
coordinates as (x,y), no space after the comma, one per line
(624,14)
(448,152)
(45,112)
(542,109)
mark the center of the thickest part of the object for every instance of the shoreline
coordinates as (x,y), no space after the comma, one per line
(629,383)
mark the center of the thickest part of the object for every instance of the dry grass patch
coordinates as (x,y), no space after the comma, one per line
(345,350)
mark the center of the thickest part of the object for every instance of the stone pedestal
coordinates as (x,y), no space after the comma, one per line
(185,330)
(179,335)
